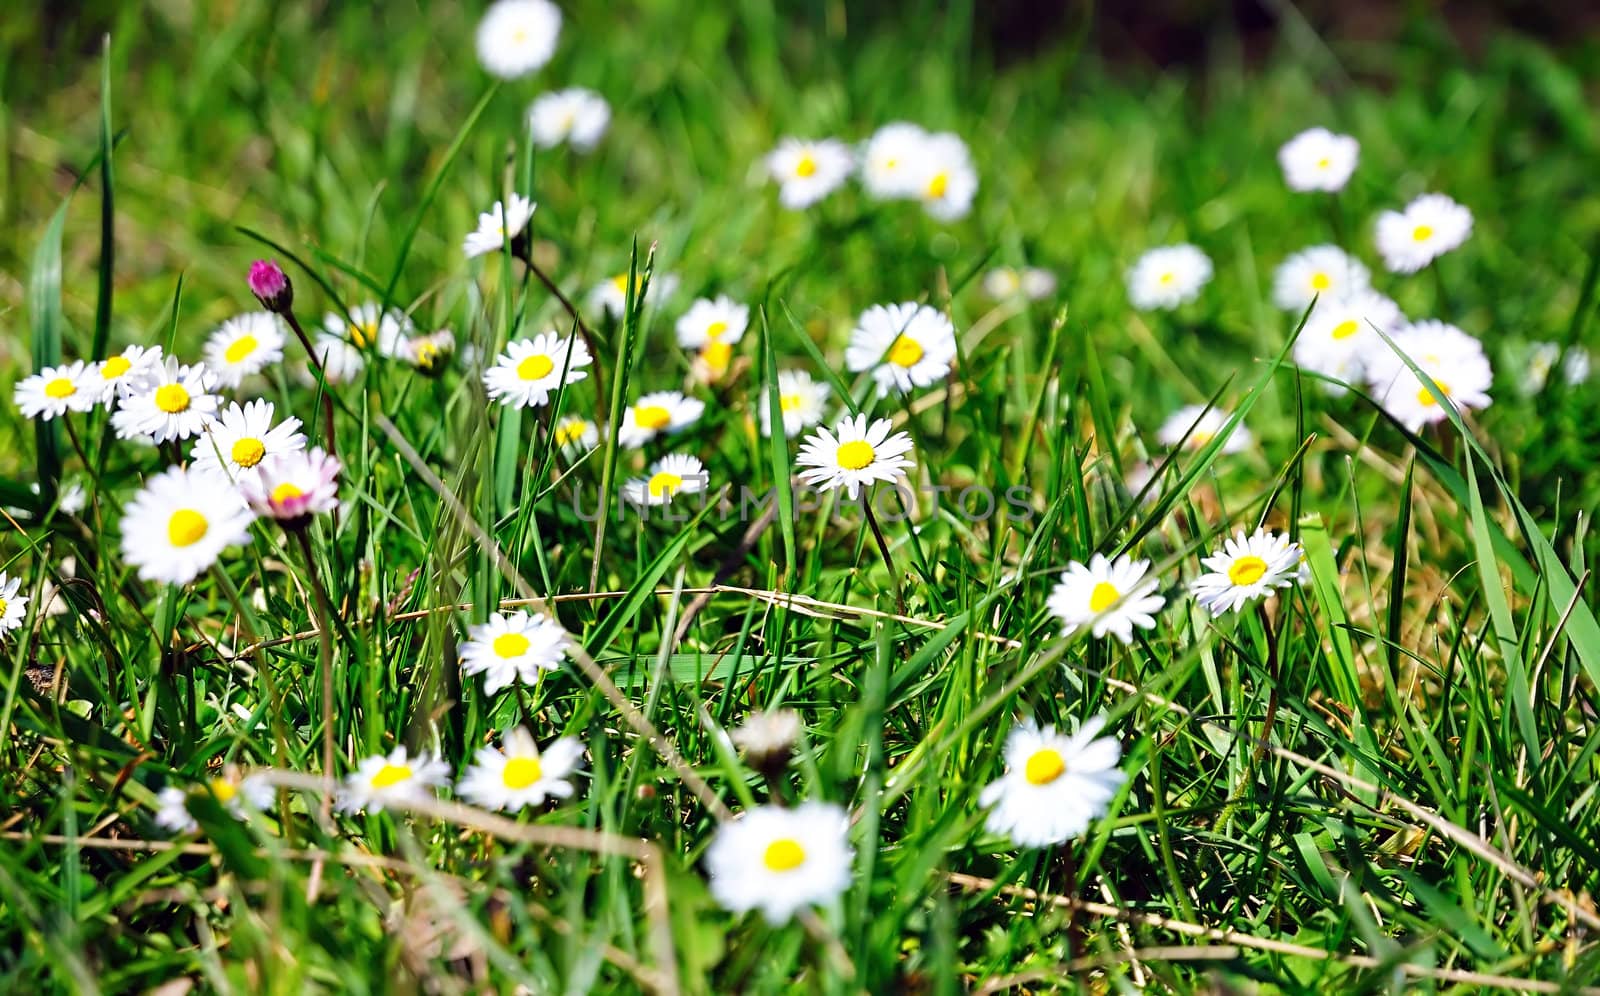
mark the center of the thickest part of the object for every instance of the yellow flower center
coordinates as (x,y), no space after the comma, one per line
(1247,570)
(187,527)
(520,772)
(391,774)
(716,330)
(652,417)
(1168,277)
(241,348)
(789,402)
(248,452)
(855,454)
(1422,233)
(427,355)
(508,645)
(363,334)
(1323,163)
(59,388)
(664,485)
(287,491)
(1346,329)
(3,606)
(1425,396)
(1320,281)
(172,398)
(938,185)
(535,367)
(1103,597)
(807,166)
(905,352)
(620,282)
(784,854)
(115,367)
(223,789)
(717,356)
(1044,766)
(1199,438)
(569,431)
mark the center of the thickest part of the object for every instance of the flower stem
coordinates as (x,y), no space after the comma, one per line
(325,653)
(322,379)
(883,548)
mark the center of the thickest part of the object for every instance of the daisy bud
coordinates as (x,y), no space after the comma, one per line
(767,740)
(271,286)
(292,487)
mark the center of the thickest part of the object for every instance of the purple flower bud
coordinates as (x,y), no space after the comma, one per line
(271,285)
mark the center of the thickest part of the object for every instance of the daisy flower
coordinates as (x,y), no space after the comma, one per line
(890,159)
(611,296)
(241,437)
(904,345)
(1167,277)
(1454,360)
(767,738)
(1004,283)
(118,373)
(371,326)
(657,413)
(530,370)
(673,475)
(1055,785)
(1319,272)
(1107,596)
(1429,227)
(712,320)
(55,391)
(1339,337)
(513,646)
(1541,362)
(430,353)
(230,790)
(1317,159)
(854,455)
(380,781)
(807,171)
(799,398)
(576,116)
(1245,569)
(779,860)
(516,37)
(575,435)
(519,775)
(497,226)
(179,524)
(13,606)
(1196,425)
(341,362)
(292,487)
(945,179)
(244,345)
(171,401)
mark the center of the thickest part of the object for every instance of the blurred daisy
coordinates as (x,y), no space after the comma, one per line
(1167,277)
(118,373)
(231,791)
(241,437)
(707,321)
(1245,569)
(945,179)
(576,116)
(672,475)
(854,455)
(807,171)
(13,606)
(1541,362)
(55,391)
(575,435)
(430,353)
(1055,785)
(904,345)
(497,226)
(244,345)
(1317,159)
(519,775)
(341,362)
(292,487)
(516,37)
(513,646)
(779,860)
(170,401)
(712,363)
(611,296)
(767,738)
(1004,283)
(1106,596)
(371,326)
(1454,360)
(1319,272)
(1429,227)
(657,413)
(801,400)
(380,781)
(179,524)
(530,370)
(1339,336)
(1196,425)
(890,159)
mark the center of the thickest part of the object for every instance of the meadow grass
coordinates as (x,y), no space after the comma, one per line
(1385,779)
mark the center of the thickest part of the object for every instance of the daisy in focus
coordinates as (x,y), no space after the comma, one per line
(800,399)
(370,326)
(241,437)
(889,161)
(170,401)
(779,860)
(13,606)
(1429,227)
(575,435)
(904,345)
(1245,569)
(516,37)
(292,487)
(381,781)
(1195,426)
(1317,159)
(1168,277)
(231,790)
(807,171)
(673,475)
(179,524)
(611,296)
(1055,785)
(1339,337)
(1107,597)
(530,370)
(54,391)
(1320,272)
(244,345)
(854,455)
(655,414)
(519,775)
(513,646)
(1004,283)
(118,373)
(944,178)
(1451,358)
(576,116)
(498,226)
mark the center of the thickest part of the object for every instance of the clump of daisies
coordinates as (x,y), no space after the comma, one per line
(1318,159)
(1055,784)
(575,116)
(1426,229)
(511,647)
(518,774)
(168,401)
(780,860)
(1106,597)
(905,346)
(1453,360)
(1167,277)
(806,171)
(1246,569)
(903,161)
(1341,336)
